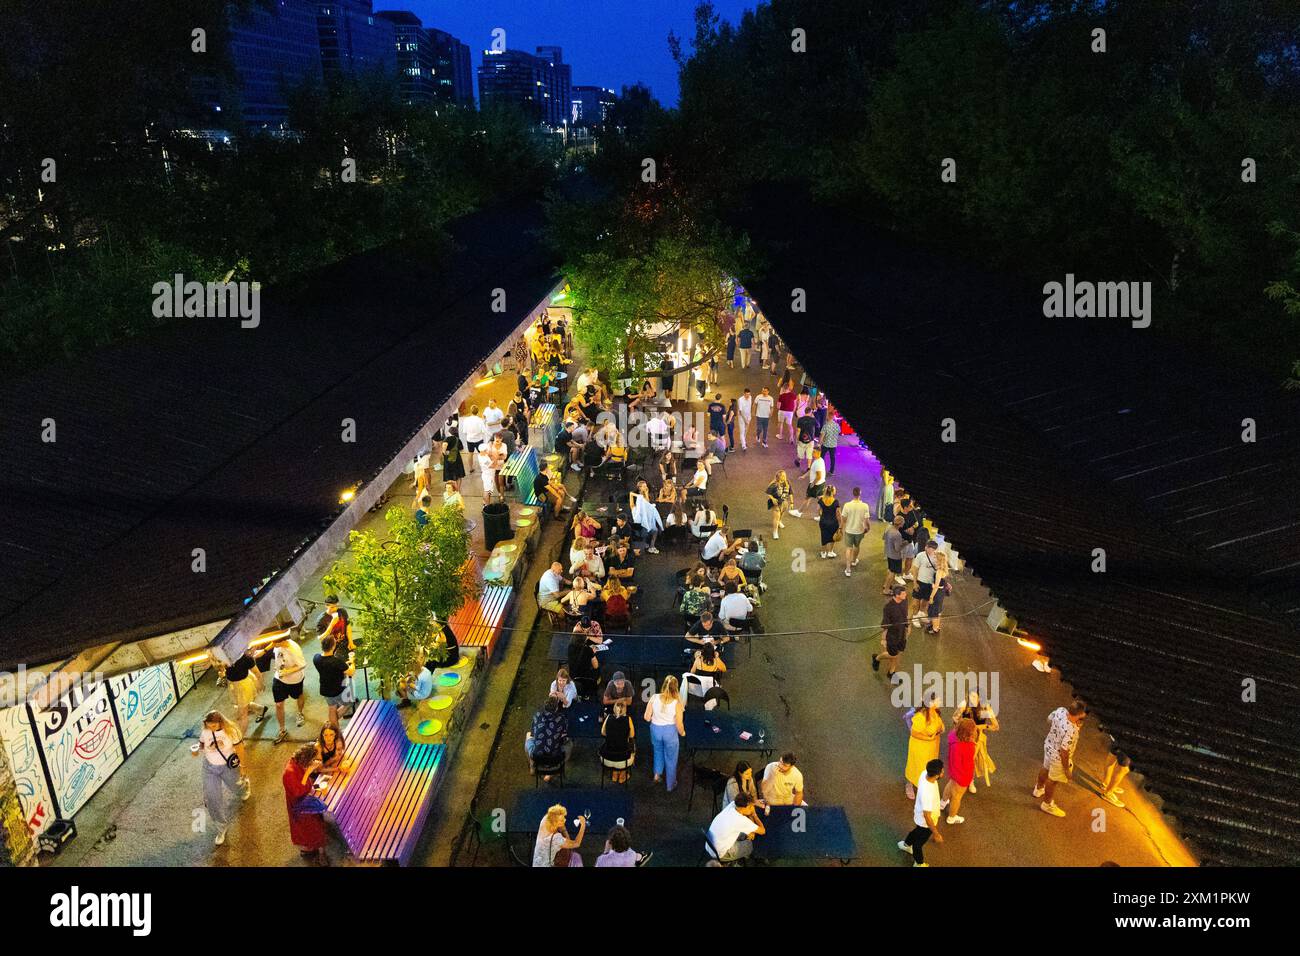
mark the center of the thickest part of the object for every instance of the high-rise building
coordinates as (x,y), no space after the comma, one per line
(453,68)
(591,105)
(560,91)
(273,48)
(353,40)
(540,84)
(416,68)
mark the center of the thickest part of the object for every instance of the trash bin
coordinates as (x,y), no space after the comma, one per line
(496,524)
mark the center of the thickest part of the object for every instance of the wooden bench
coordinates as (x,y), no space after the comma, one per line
(380,801)
(479,622)
(519,472)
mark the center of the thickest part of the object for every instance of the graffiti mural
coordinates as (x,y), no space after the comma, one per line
(141,700)
(81,746)
(20,742)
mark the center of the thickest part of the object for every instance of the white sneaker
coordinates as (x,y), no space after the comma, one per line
(855,562)
(796,513)
(1051,808)
(822,553)
(943,804)
(901,580)
(780,524)
(776,534)
(830,554)
(955,820)
(848,573)
(246,788)
(221,837)
(904,847)
(652,550)
(301,720)
(1039,791)
(972,787)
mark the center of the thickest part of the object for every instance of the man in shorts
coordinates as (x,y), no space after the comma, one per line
(334,673)
(893,622)
(289,669)
(855,519)
(1058,753)
(894,554)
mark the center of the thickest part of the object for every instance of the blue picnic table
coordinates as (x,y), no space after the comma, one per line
(806,833)
(638,653)
(720,730)
(607,808)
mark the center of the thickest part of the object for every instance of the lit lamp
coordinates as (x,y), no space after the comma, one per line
(347,495)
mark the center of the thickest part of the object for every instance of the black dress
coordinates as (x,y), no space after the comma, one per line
(619,743)
(829,521)
(453,460)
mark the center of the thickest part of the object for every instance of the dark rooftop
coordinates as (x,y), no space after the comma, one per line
(227,439)
(1073,436)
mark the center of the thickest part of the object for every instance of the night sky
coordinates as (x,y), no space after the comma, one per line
(609,42)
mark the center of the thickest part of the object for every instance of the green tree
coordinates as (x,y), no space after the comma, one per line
(402,584)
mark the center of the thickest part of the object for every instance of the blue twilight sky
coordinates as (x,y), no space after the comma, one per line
(609,42)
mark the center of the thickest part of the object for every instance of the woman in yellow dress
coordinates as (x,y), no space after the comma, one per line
(926,734)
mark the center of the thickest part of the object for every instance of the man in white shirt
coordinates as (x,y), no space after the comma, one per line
(659,431)
(762,415)
(734,606)
(744,412)
(732,832)
(816,483)
(925,813)
(855,519)
(782,783)
(926,568)
(289,670)
(551,588)
(714,547)
(473,432)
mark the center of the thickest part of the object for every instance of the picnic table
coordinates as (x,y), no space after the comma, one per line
(607,808)
(815,833)
(638,653)
(720,730)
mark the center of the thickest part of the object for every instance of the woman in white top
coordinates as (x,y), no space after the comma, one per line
(645,514)
(222,748)
(664,715)
(700,481)
(564,688)
(553,836)
(489,474)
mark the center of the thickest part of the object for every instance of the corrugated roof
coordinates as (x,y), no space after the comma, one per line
(227,439)
(1073,436)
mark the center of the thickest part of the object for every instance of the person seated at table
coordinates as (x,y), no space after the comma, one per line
(621,563)
(617,598)
(618,688)
(548,488)
(563,689)
(622,529)
(568,446)
(695,602)
(691,439)
(782,784)
(668,471)
(592,405)
(593,456)
(329,752)
(699,482)
(716,549)
(752,558)
(707,630)
(573,410)
(548,737)
(733,830)
(415,687)
(589,563)
(551,589)
(698,577)
(667,499)
(742,781)
(553,836)
(618,850)
(584,665)
(730,573)
(704,523)
(585,527)
(708,661)
(618,749)
(715,449)
(735,607)
(581,598)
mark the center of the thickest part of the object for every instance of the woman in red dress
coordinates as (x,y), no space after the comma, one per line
(306,827)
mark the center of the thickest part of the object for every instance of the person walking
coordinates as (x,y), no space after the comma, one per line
(925,736)
(745,342)
(828,522)
(306,811)
(731,420)
(830,440)
(925,813)
(453,455)
(224,769)
(986,722)
(893,639)
(961,765)
(244,681)
(762,415)
(289,672)
(894,555)
(855,520)
(618,750)
(786,399)
(664,714)
(926,570)
(779,496)
(816,482)
(744,413)
(1058,753)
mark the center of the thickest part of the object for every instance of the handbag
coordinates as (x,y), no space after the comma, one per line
(232,760)
(308,803)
